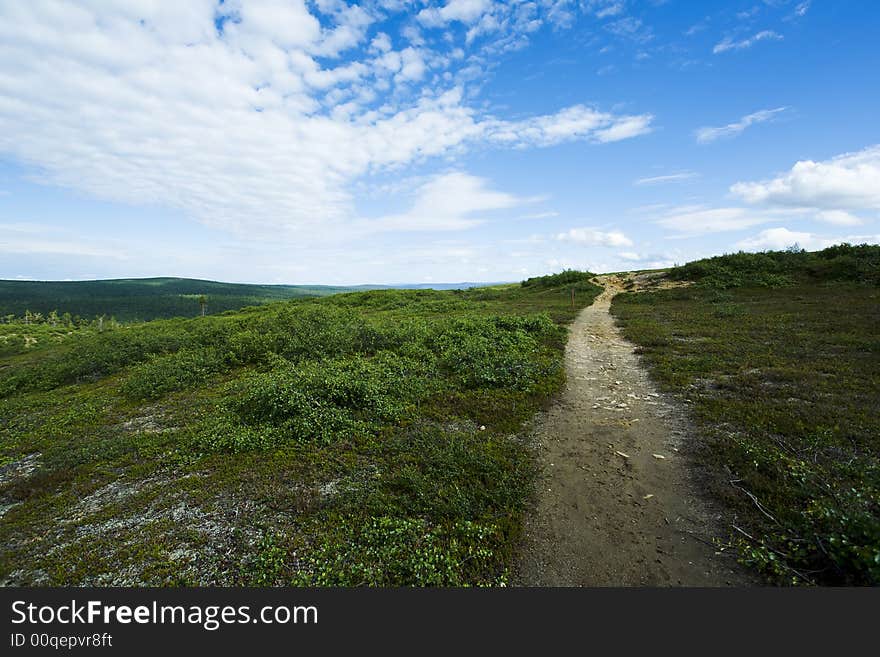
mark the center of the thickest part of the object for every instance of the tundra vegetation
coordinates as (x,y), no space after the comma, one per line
(777,355)
(369,438)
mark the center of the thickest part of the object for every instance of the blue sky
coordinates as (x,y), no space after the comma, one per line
(388,141)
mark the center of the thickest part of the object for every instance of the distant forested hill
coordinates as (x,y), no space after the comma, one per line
(145,299)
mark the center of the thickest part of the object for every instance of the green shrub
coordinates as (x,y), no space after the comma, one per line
(316,402)
(177,371)
(479,354)
(223,432)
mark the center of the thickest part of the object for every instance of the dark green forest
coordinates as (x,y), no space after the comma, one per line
(143,299)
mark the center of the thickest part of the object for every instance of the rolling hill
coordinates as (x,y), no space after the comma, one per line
(145,299)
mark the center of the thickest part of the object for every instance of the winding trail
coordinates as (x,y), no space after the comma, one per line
(610,511)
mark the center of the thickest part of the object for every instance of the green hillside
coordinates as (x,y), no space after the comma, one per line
(143,299)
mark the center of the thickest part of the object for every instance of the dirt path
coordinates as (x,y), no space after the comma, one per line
(610,512)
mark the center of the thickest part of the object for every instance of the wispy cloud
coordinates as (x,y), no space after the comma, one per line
(698,27)
(451,201)
(690,221)
(594,237)
(706,135)
(728,43)
(801,9)
(604,8)
(748,13)
(668,178)
(630,28)
(39,239)
(577,122)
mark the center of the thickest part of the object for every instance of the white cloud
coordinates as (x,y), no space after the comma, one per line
(351,27)
(802,9)
(412,65)
(727,43)
(691,221)
(452,201)
(463,11)
(287,24)
(625,127)
(827,191)
(706,135)
(669,178)
(605,8)
(847,182)
(381,43)
(248,128)
(593,237)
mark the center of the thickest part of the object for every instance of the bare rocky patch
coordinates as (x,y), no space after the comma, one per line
(153,420)
(14,472)
(137,532)
(19,469)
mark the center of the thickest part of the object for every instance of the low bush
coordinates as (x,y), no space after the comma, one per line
(390,551)
(176,371)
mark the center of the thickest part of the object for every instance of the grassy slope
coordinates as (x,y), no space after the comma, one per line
(778,355)
(143,298)
(322,441)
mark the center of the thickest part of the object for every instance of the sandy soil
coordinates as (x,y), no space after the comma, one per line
(617,502)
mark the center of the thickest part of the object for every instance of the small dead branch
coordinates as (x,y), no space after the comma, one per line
(754,499)
(784,556)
